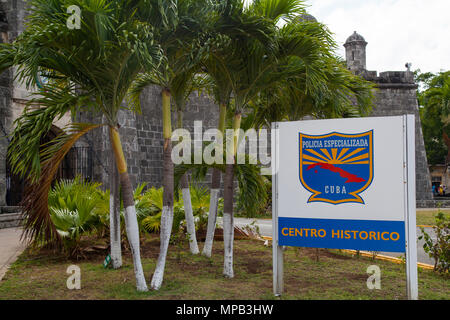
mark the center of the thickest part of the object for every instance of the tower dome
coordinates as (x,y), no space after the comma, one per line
(355,37)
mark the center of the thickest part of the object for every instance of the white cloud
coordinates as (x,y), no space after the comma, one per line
(397,31)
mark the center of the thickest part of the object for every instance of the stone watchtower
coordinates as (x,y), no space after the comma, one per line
(355,53)
(395,95)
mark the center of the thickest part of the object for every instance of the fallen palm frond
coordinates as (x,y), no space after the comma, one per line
(38,225)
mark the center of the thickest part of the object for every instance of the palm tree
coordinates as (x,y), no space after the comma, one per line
(178,33)
(232,26)
(180,87)
(296,77)
(257,66)
(89,69)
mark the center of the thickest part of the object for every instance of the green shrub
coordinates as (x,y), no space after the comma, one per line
(77,207)
(151,202)
(200,198)
(439,248)
(253,196)
(150,206)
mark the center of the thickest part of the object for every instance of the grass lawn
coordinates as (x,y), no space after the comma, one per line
(335,275)
(427,217)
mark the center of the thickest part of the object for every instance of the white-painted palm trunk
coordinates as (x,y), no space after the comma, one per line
(165,231)
(228,236)
(114,230)
(114,218)
(212,219)
(133,239)
(190,224)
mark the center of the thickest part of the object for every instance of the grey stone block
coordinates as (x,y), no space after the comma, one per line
(10,220)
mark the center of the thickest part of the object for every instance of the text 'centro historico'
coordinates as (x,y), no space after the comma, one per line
(338,233)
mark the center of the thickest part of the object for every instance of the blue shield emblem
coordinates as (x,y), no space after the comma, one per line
(336,167)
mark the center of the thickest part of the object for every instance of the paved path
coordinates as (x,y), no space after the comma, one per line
(265,228)
(10,248)
(421,255)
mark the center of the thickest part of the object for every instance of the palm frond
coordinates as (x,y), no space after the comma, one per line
(252,194)
(38,225)
(35,122)
(152,223)
(277,10)
(141,81)
(102,57)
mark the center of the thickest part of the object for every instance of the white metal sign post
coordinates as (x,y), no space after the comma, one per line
(410,212)
(345,184)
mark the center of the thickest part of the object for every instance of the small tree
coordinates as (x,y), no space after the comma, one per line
(439,248)
(434,100)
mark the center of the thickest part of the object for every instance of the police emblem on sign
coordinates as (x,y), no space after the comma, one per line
(336,167)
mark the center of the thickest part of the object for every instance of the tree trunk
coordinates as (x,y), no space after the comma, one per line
(228,219)
(168,185)
(186,193)
(130,210)
(114,216)
(228,222)
(189,214)
(214,193)
(212,216)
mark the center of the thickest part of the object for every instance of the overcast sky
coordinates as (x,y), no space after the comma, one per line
(397,31)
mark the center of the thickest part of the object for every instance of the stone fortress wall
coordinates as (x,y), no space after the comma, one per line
(11,24)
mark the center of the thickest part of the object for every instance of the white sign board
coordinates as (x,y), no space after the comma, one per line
(344,183)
